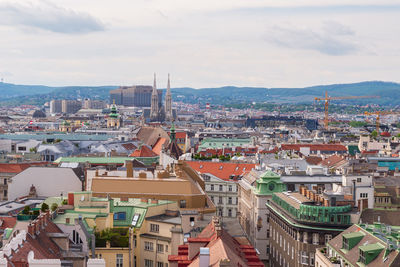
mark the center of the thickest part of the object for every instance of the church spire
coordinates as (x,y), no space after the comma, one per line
(168,102)
(154,84)
(154,112)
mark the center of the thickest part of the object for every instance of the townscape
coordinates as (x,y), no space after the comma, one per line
(140,180)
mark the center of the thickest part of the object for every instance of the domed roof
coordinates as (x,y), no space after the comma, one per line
(39,114)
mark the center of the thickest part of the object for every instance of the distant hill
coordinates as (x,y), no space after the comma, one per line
(389,93)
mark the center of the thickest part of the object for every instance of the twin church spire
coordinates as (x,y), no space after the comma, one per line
(157,112)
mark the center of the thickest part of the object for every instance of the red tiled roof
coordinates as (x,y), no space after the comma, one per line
(313,160)
(7,222)
(129,146)
(17,167)
(385,134)
(143,151)
(42,245)
(222,170)
(158,145)
(222,246)
(332,160)
(314,147)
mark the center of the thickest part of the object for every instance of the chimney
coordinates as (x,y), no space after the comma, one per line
(176,239)
(129,168)
(204,257)
(31,229)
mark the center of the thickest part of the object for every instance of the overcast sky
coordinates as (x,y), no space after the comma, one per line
(201,43)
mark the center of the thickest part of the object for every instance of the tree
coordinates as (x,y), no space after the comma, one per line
(44,207)
(374,134)
(54,206)
(26,210)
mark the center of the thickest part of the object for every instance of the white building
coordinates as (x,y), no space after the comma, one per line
(47,182)
(224,194)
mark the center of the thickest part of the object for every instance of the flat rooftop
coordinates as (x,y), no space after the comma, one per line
(294,199)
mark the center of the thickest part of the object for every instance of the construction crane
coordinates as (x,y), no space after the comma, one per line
(329,98)
(378,114)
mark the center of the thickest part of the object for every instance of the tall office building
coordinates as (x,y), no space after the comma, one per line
(55,106)
(134,96)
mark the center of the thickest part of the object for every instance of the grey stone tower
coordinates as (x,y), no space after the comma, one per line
(168,102)
(154,101)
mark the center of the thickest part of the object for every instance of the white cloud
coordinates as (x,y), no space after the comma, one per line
(47,16)
(328,40)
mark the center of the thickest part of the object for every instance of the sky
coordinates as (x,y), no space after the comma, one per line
(200,43)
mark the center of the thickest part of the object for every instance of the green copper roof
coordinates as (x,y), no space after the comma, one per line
(269,183)
(223,142)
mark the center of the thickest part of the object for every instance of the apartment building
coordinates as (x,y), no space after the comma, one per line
(362,245)
(255,189)
(224,194)
(299,223)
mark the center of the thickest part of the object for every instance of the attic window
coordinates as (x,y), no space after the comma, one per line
(201,167)
(237,168)
(244,168)
(220,167)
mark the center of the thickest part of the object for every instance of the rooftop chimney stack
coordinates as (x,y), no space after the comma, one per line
(129,168)
(204,257)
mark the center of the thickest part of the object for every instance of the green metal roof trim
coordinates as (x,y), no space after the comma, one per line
(8,232)
(223,142)
(302,225)
(107,160)
(70,137)
(72,215)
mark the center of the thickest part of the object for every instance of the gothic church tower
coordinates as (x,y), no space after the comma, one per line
(154,101)
(168,102)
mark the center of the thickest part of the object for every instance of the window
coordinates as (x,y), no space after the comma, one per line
(219,200)
(230,200)
(160,248)
(304,258)
(148,246)
(346,244)
(312,259)
(229,212)
(358,180)
(160,264)
(292,252)
(120,216)
(220,187)
(267,249)
(363,195)
(230,188)
(166,248)
(327,238)
(362,257)
(267,233)
(212,187)
(5,181)
(315,239)
(148,263)
(212,199)
(155,228)
(120,260)
(5,193)
(182,204)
